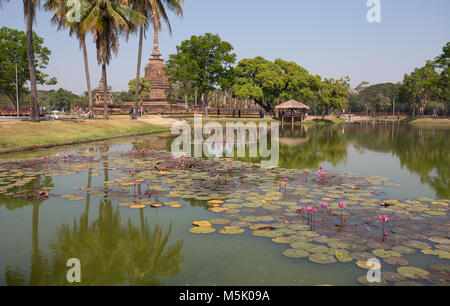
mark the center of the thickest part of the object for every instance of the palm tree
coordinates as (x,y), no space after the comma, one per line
(107,20)
(60,9)
(155,12)
(29,12)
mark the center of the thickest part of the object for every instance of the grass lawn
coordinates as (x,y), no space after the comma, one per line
(429,122)
(23,133)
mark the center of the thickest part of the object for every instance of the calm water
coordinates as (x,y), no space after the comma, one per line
(39,235)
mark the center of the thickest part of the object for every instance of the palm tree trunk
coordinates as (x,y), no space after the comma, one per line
(29,11)
(138,74)
(105,92)
(196,98)
(88,76)
(205,104)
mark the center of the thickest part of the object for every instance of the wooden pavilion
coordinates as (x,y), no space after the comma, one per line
(292,111)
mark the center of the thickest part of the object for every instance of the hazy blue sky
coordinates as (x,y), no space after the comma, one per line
(331,38)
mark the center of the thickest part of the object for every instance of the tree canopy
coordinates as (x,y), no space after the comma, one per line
(13,49)
(144,88)
(206,61)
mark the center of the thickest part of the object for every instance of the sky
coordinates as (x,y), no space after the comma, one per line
(331,38)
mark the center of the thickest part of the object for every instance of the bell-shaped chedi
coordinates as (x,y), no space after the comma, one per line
(98,99)
(155,74)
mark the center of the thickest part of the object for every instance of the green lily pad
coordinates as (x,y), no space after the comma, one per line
(231,230)
(282,239)
(440,253)
(392,276)
(396,261)
(363,280)
(403,250)
(385,254)
(368,265)
(202,230)
(220,221)
(322,258)
(295,253)
(413,272)
(439,240)
(416,244)
(343,256)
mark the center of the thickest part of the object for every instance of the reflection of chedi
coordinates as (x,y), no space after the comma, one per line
(98,99)
(155,74)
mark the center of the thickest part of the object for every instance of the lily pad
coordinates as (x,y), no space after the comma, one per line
(202,223)
(403,250)
(202,230)
(385,254)
(413,272)
(343,256)
(231,230)
(295,253)
(392,276)
(363,280)
(368,264)
(220,221)
(322,258)
(138,206)
(396,261)
(416,244)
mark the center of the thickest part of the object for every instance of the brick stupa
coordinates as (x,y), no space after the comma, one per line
(155,74)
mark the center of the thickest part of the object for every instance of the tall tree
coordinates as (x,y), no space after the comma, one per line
(13,52)
(267,83)
(63,20)
(155,13)
(420,87)
(334,95)
(29,12)
(441,63)
(207,59)
(107,20)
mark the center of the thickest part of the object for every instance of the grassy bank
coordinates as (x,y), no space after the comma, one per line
(428,122)
(310,120)
(22,133)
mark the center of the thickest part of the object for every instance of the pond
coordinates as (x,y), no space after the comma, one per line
(128,211)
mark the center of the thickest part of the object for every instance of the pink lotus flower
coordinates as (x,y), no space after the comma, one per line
(70,155)
(309,208)
(286,221)
(324,175)
(232,166)
(341,205)
(315,210)
(217,176)
(134,184)
(384,218)
(385,234)
(44,157)
(65,155)
(320,167)
(324,205)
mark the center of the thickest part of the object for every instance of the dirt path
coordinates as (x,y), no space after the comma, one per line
(161,121)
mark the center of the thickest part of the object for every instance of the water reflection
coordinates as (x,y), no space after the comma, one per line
(422,151)
(110,252)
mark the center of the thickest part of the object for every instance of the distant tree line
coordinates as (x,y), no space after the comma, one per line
(203,71)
